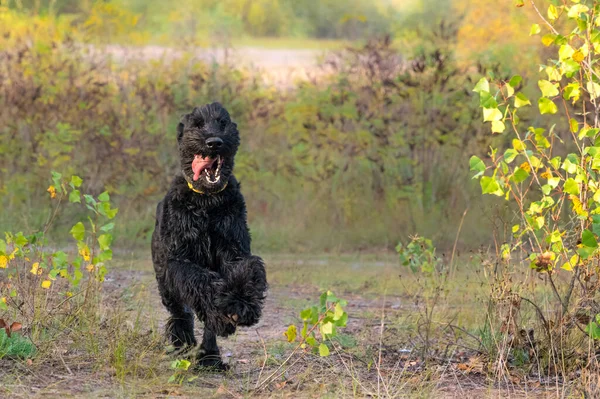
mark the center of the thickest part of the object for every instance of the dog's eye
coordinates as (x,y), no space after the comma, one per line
(223,123)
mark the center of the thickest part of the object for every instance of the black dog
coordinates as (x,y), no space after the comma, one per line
(201,244)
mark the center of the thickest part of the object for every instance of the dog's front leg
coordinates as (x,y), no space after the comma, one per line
(244,291)
(199,288)
(209,355)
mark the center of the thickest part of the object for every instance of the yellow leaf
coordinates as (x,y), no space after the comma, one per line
(3,261)
(46,284)
(85,252)
(578,56)
(525,166)
(52,191)
(291,333)
(35,268)
(90,267)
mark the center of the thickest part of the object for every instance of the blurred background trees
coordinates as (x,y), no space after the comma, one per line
(367,150)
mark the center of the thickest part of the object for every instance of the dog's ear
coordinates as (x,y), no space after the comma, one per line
(180,127)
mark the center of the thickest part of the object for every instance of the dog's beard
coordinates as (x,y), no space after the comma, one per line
(207,168)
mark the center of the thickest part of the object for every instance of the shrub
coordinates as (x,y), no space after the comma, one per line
(41,286)
(550,174)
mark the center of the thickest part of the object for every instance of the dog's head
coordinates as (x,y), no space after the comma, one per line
(208,141)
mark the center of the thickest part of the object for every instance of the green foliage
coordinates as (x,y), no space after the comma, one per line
(551,173)
(419,255)
(320,324)
(42,284)
(370,152)
(16,346)
(180,367)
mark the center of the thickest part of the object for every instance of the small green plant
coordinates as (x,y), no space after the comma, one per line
(320,324)
(418,254)
(180,367)
(14,345)
(39,283)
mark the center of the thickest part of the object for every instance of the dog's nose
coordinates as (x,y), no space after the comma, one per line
(214,142)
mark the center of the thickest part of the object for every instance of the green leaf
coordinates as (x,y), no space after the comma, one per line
(576,10)
(535,29)
(510,155)
(20,240)
(78,231)
(327,328)
(476,165)
(56,178)
(594,89)
(75,196)
(106,210)
(491,114)
(546,189)
(342,320)
(89,199)
(107,227)
(546,106)
(519,145)
(570,165)
(76,181)
(306,314)
(105,255)
(593,330)
(571,186)
(489,185)
(572,90)
(521,100)
(520,175)
(323,350)
(574,125)
(498,127)
(548,88)
(339,312)
(515,81)
(482,86)
(552,12)
(104,197)
(585,252)
(105,240)
(588,239)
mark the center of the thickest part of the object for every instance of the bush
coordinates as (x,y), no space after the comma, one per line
(555,190)
(43,287)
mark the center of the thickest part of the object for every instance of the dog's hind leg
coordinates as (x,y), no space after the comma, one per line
(180,326)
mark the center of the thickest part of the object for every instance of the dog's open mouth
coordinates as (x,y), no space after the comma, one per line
(208,168)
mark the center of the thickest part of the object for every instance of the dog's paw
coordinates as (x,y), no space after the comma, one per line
(238,310)
(210,363)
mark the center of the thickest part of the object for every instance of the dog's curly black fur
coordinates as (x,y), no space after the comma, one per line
(201,244)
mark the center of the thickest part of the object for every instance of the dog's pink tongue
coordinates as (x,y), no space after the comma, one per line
(199,164)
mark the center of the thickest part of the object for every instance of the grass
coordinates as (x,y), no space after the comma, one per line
(378,354)
(15,346)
